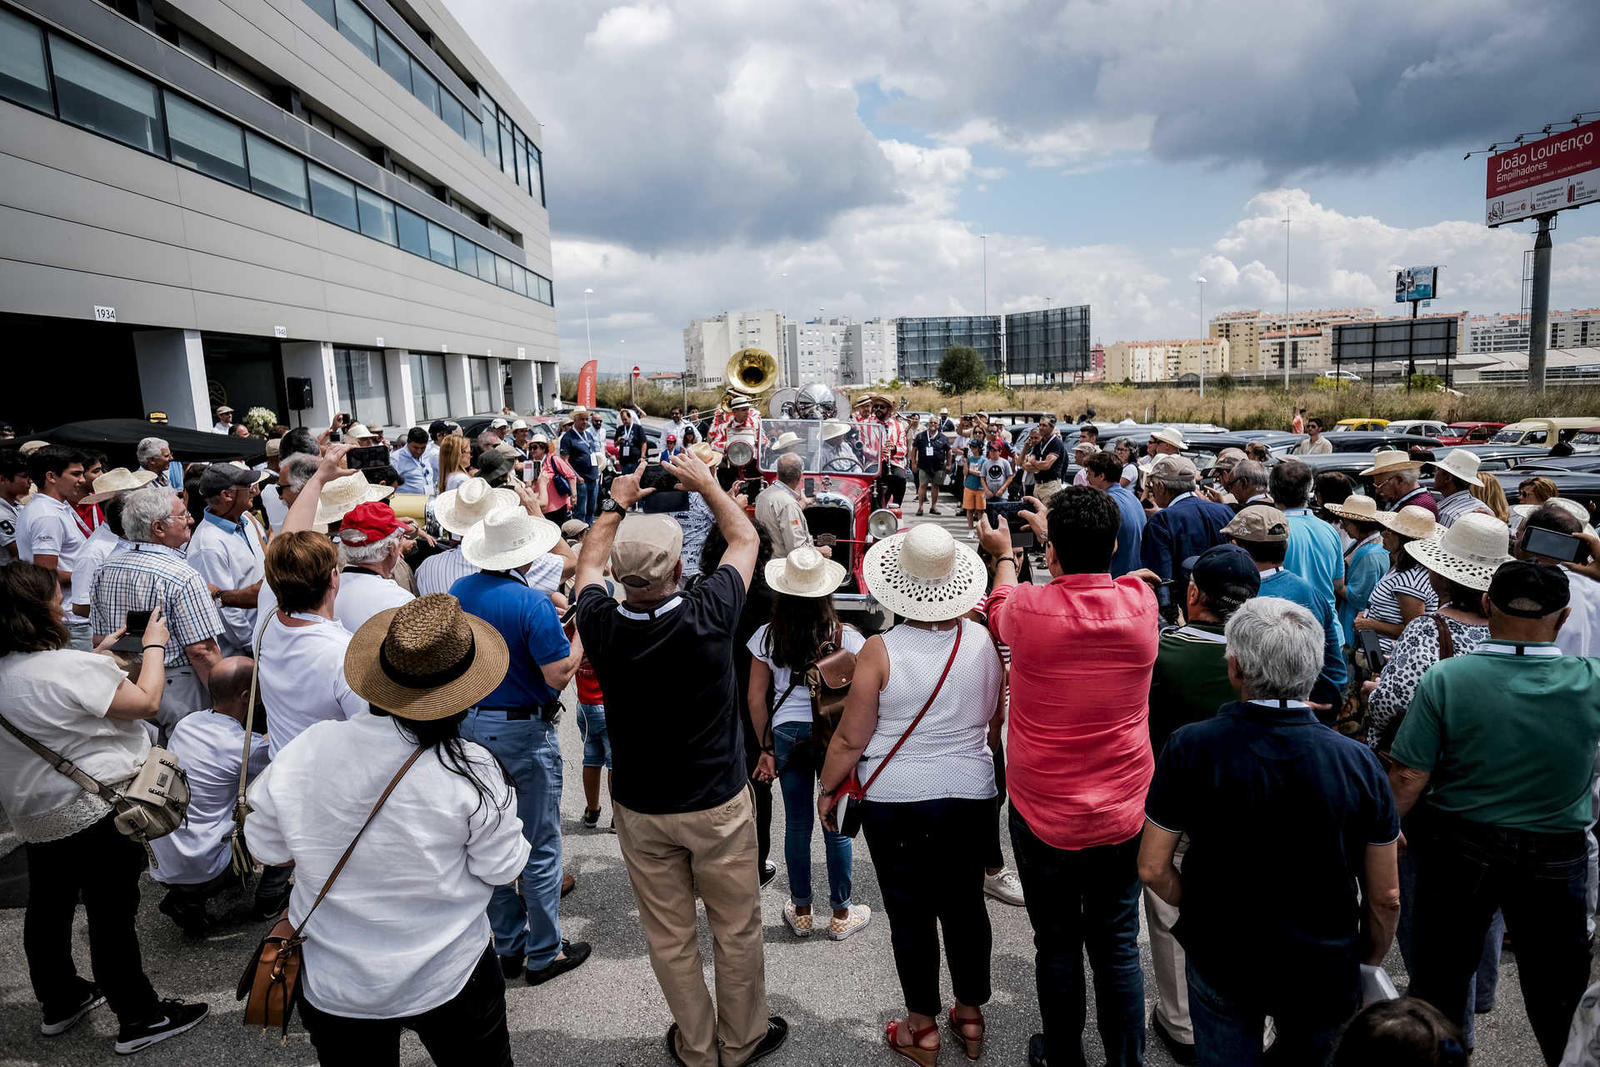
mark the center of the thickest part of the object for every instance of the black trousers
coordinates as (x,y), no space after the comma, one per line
(102,867)
(929,856)
(994,859)
(468,1030)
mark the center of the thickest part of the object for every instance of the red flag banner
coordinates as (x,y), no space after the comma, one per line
(586,378)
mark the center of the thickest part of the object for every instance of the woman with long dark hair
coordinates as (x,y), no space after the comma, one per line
(803,627)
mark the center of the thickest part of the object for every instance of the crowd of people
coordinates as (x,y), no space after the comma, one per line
(1382,708)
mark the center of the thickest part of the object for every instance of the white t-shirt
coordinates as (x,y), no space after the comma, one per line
(101,546)
(1580,634)
(60,699)
(455,481)
(362,595)
(229,561)
(302,678)
(8,527)
(209,746)
(275,508)
(50,527)
(426,866)
(797,708)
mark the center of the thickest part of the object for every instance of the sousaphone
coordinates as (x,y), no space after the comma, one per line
(751,372)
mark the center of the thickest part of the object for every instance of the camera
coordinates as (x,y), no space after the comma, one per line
(358,459)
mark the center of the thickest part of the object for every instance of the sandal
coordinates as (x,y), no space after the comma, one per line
(958,1025)
(925,1057)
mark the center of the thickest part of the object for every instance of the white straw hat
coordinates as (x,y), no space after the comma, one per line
(1356,506)
(359,431)
(507,538)
(1410,521)
(1388,461)
(804,572)
(832,431)
(923,574)
(117,480)
(1462,465)
(342,494)
(1469,553)
(459,510)
(786,440)
(1171,435)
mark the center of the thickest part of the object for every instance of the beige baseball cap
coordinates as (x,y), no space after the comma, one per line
(646,550)
(1258,522)
(1175,468)
(1228,459)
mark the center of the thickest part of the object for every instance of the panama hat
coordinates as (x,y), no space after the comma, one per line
(426,659)
(1170,435)
(1469,552)
(1410,521)
(786,440)
(873,398)
(1388,461)
(359,432)
(343,493)
(833,430)
(703,451)
(117,480)
(460,509)
(924,575)
(507,538)
(804,572)
(1356,506)
(1462,466)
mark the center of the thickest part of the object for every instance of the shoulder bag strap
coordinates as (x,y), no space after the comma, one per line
(931,697)
(240,808)
(1447,644)
(65,766)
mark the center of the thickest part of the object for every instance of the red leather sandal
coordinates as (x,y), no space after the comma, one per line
(958,1025)
(925,1057)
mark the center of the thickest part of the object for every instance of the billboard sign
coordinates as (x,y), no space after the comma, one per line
(1416,283)
(1551,174)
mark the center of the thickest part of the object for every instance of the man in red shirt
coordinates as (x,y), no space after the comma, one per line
(1078,767)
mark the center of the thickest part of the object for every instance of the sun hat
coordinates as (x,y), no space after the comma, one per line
(1228,459)
(1388,461)
(426,659)
(833,430)
(494,465)
(1258,522)
(520,424)
(117,480)
(1173,468)
(367,523)
(739,402)
(566,420)
(1410,521)
(1171,435)
(358,432)
(786,440)
(1462,466)
(924,575)
(573,529)
(274,447)
(507,538)
(498,423)
(460,509)
(646,549)
(345,492)
(705,453)
(1468,553)
(1085,446)
(1357,506)
(873,398)
(223,409)
(804,572)
(28,448)
(1575,508)
(575,412)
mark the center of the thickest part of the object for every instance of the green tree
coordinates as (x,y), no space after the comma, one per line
(962,370)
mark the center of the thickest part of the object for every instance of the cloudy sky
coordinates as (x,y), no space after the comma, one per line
(846,156)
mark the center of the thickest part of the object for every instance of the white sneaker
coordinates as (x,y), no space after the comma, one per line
(972,534)
(800,924)
(1004,886)
(839,929)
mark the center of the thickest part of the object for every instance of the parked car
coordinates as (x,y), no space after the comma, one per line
(1203,448)
(1426,427)
(1582,461)
(1498,457)
(1469,433)
(1376,440)
(1586,440)
(1544,431)
(1353,425)
(1342,375)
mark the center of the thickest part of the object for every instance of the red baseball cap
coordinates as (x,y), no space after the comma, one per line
(366,523)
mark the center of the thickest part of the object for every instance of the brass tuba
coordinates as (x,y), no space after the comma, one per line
(751,372)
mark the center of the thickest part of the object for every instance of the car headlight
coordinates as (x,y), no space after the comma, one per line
(882,523)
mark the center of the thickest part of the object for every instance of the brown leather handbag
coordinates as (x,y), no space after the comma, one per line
(829,678)
(270,985)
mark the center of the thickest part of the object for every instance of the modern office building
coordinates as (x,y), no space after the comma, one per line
(1048,345)
(204,201)
(837,352)
(708,344)
(922,342)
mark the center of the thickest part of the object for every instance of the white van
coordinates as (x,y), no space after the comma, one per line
(1546,432)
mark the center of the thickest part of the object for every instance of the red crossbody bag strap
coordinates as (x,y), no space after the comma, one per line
(931,697)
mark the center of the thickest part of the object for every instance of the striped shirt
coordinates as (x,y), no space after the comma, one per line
(1384,604)
(1458,504)
(146,575)
(443,569)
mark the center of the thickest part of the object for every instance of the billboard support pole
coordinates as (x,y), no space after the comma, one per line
(1539,318)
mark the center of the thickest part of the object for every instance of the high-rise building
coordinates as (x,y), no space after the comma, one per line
(207,199)
(922,342)
(837,351)
(1578,328)
(1245,330)
(1165,361)
(708,344)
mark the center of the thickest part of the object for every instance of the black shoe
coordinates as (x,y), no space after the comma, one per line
(1181,1052)
(191,921)
(672,1045)
(1036,1051)
(175,1018)
(510,966)
(777,1034)
(769,871)
(591,817)
(60,1024)
(574,953)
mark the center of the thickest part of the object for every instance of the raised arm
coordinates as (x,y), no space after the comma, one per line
(731,520)
(304,509)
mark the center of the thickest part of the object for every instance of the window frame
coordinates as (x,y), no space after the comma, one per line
(168,100)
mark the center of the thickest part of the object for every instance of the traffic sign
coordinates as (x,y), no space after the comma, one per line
(636,370)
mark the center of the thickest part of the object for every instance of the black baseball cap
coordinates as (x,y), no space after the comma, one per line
(437,427)
(1224,570)
(1529,590)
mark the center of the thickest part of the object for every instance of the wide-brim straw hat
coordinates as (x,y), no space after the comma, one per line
(1463,466)
(1390,460)
(833,430)
(460,509)
(1411,521)
(1357,506)
(1567,504)
(924,574)
(507,538)
(804,572)
(425,660)
(705,454)
(787,439)
(1469,553)
(1171,435)
(117,480)
(342,494)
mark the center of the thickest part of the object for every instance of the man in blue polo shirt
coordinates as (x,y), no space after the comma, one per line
(1314,552)
(1104,472)
(517,722)
(575,448)
(1268,796)
(1503,741)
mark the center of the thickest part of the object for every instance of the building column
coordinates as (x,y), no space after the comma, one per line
(314,360)
(458,381)
(524,385)
(397,375)
(172,376)
(549,385)
(497,391)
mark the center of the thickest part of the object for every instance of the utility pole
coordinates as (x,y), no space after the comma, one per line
(588,342)
(1286,330)
(983,239)
(1201,284)
(1539,317)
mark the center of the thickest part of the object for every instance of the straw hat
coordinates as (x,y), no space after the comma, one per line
(1388,461)
(507,538)
(359,432)
(1522,511)
(923,574)
(1469,552)
(1356,506)
(1171,435)
(804,572)
(833,430)
(787,439)
(346,492)
(705,453)
(1462,465)
(425,660)
(117,480)
(459,510)
(1410,521)
(872,398)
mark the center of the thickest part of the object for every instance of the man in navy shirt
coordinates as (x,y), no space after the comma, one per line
(630,442)
(575,449)
(1185,526)
(1268,796)
(1105,474)
(517,722)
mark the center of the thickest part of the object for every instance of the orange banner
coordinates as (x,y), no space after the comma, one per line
(586,378)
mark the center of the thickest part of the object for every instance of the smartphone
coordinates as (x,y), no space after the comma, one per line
(344,420)
(1371,650)
(137,621)
(811,487)
(1553,544)
(368,457)
(132,640)
(335,437)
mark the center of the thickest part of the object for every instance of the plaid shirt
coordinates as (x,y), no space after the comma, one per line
(146,575)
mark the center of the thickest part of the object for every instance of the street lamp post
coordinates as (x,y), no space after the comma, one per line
(1200,284)
(588,342)
(1287,332)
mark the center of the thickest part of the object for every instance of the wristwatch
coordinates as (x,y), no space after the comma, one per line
(611,507)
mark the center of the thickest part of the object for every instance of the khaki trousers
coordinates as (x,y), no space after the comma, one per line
(1168,961)
(669,858)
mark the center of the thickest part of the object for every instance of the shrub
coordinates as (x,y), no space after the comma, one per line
(962,371)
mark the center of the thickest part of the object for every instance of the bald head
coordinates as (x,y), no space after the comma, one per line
(790,468)
(230,686)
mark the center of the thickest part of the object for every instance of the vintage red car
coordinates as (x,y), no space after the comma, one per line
(1470,433)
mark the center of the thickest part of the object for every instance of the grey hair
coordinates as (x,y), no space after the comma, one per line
(296,471)
(1175,486)
(148,449)
(789,468)
(143,508)
(1247,473)
(372,552)
(1277,646)
(1410,476)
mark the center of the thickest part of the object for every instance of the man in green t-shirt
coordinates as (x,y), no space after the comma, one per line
(1503,742)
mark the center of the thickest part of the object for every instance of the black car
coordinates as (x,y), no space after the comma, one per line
(1582,486)
(1370,441)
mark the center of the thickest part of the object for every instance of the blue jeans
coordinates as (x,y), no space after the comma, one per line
(1088,898)
(527,924)
(587,500)
(1228,1032)
(596,741)
(797,777)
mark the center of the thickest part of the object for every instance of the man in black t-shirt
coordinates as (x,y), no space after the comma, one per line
(684,813)
(932,451)
(1047,460)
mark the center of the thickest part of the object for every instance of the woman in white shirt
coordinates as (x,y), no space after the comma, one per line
(83,706)
(402,939)
(804,626)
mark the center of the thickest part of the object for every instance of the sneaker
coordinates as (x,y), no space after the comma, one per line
(769,871)
(1036,1051)
(573,955)
(92,999)
(839,929)
(800,924)
(591,817)
(176,1018)
(777,1032)
(972,534)
(1004,886)
(919,511)
(510,966)
(935,511)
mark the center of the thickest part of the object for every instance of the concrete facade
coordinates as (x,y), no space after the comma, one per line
(1165,361)
(708,344)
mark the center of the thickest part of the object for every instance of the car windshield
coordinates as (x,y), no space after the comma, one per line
(1508,436)
(1586,437)
(846,448)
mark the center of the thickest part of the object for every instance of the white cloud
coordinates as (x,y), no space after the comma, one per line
(623,31)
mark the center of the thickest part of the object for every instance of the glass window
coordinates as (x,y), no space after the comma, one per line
(424,86)
(519,158)
(486,265)
(208,143)
(466,255)
(472,130)
(393,58)
(103,97)
(413,232)
(357,27)
(325,9)
(441,244)
(377,215)
(502,273)
(333,198)
(520,279)
(361,385)
(277,173)
(23,77)
(428,390)
(546,293)
(535,173)
(507,146)
(450,111)
(482,395)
